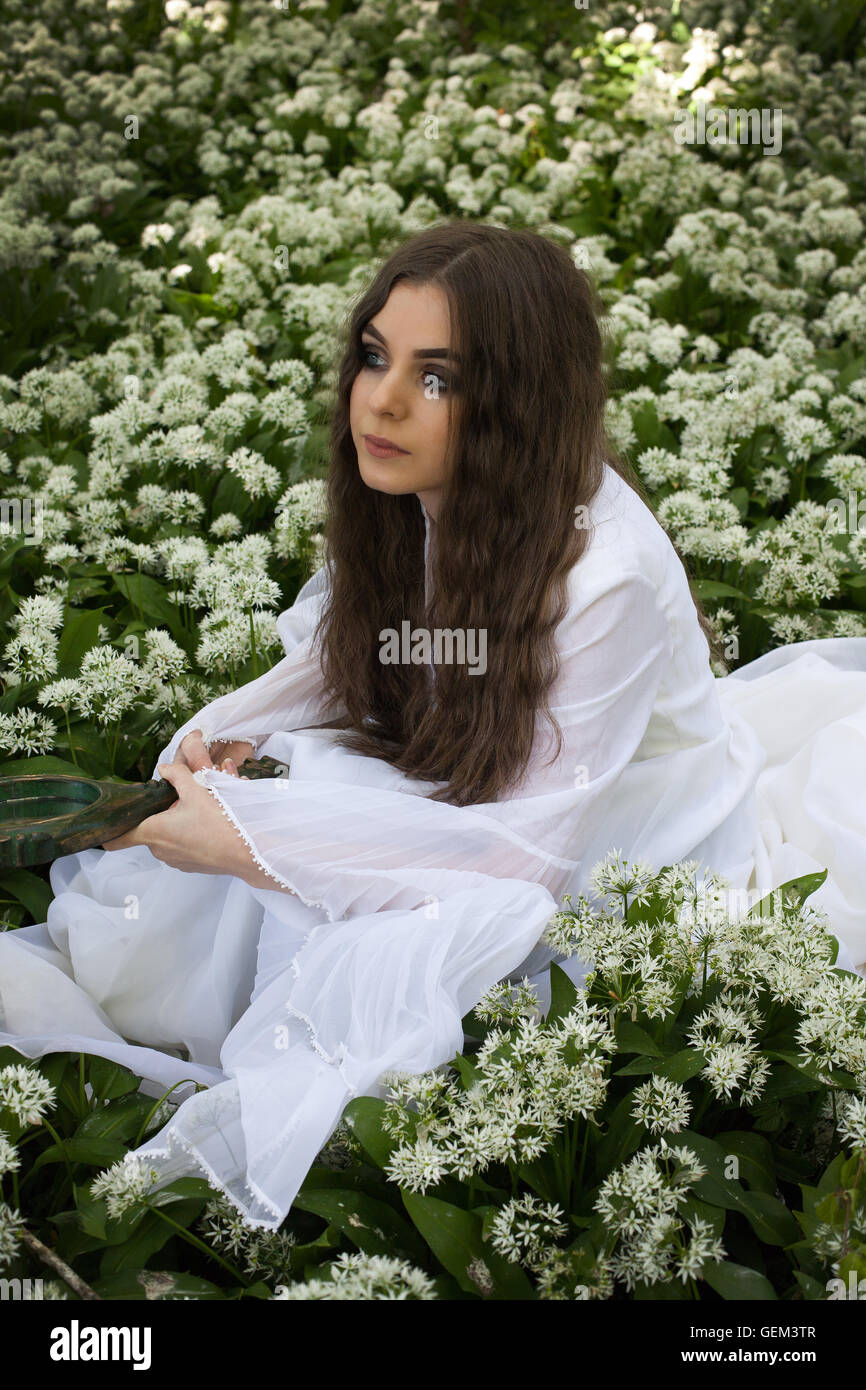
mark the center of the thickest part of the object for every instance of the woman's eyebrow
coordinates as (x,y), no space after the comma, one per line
(419,352)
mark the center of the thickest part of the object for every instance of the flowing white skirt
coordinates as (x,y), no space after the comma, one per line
(192,978)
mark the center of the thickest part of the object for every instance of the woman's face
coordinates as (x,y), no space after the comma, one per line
(403,393)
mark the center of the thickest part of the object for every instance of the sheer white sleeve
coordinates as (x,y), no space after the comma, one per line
(359,844)
(288,696)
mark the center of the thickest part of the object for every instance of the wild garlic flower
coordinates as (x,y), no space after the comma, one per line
(300,510)
(851,1120)
(225,526)
(26,1092)
(109,685)
(260,479)
(359,1277)
(640,1203)
(614,875)
(27,731)
(267,1253)
(10,1159)
(528,1082)
(125,1184)
(62,693)
(165,660)
(831,1031)
(507,1003)
(662,1105)
(524,1227)
(11,1222)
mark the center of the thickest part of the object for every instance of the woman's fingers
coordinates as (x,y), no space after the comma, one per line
(192,752)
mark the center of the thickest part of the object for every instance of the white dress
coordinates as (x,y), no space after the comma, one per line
(408,910)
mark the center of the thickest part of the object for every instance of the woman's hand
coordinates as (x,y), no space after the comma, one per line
(193,753)
(193,834)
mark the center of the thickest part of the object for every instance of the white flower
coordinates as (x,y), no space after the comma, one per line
(125,1184)
(851,1121)
(10,1159)
(524,1227)
(26,1092)
(11,1222)
(662,1105)
(259,478)
(360,1277)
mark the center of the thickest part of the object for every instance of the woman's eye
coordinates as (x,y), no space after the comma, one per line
(440,389)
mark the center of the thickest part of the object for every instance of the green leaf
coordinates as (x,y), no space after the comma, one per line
(27,888)
(97,1153)
(714,588)
(468,1071)
(363,1116)
(455,1237)
(180,1189)
(563,993)
(794,890)
(42,762)
(812,1288)
(755,1157)
(120,1119)
(732,1281)
(770,1219)
(149,598)
(371,1225)
(631,1038)
(110,1080)
(682,1066)
(155,1284)
(149,1236)
(79,633)
(92,1212)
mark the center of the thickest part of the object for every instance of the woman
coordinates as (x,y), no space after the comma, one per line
(288,942)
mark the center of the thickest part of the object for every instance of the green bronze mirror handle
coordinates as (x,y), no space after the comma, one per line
(43,815)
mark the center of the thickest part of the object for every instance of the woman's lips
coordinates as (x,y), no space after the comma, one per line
(382,450)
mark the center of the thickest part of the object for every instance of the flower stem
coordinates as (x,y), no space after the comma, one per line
(199,1244)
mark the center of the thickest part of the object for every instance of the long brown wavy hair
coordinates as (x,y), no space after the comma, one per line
(525,445)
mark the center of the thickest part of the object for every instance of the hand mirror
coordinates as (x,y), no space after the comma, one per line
(43,815)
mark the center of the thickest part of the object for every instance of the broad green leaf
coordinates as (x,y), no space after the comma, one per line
(467,1070)
(363,1116)
(813,1289)
(563,993)
(371,1225)
(732,1281)
(682,1066)
(98,1153)
(155,1284)
(79,633)
(455,1237)
(797,890)
(149,600)
(714,588)
(150,1235)
(770,1219)
(110,1080)
(41,762)
(27,888)
(631,1038)
(120,1119)
(755,1157)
